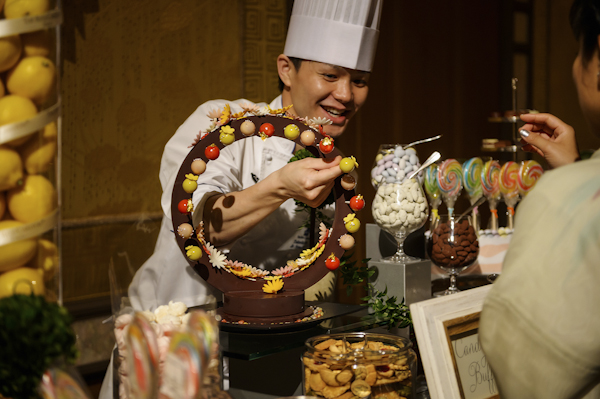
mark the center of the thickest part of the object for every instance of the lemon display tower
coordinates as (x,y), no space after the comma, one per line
(30,148)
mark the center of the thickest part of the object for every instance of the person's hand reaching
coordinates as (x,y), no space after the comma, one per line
(309,180)
(550,137)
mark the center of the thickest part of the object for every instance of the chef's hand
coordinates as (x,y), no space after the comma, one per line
(309,180)
(551,138)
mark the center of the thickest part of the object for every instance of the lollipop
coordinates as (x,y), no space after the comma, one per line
(509,188)
(432,189)
(450,182)
(472,183)
(490,176)
(529,173)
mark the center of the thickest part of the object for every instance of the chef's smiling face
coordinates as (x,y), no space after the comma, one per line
(322,90)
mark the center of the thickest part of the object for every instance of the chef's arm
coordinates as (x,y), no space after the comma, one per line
(229,216)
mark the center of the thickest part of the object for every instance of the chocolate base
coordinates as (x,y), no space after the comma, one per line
(259,304)
(292,318)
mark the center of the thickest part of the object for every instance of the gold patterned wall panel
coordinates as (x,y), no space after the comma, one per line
(265,27)
(133,71)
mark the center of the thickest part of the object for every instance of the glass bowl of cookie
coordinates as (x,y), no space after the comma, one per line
(364,365)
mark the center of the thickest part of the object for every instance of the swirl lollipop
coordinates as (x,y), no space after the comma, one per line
(529,173)
(509,188)
(472,183)
(432,189)
(490,184)
(450,182)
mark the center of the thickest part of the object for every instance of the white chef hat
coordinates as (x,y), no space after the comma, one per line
(337,32)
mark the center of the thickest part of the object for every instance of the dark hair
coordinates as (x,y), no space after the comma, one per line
(297,62)
(585,23)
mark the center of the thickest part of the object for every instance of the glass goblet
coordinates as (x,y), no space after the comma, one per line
(453,247)
(400,209)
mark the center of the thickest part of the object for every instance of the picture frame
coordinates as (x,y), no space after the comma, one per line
(446,329)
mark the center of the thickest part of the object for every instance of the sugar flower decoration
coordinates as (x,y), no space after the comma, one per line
(224,118)
(278,111)
(250,108)
(319,122)
(273,286)
(214,113)
(349,217)
(284,271)
(261,111)
(217,259)
(200,228)
(227,130)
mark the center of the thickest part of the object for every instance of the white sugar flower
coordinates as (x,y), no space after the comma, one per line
(261,111)
(319,121)
(161,311)
(217,258)
(177,308)
(148,315)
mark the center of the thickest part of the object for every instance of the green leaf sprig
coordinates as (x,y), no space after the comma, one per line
(34,333)
(382,305)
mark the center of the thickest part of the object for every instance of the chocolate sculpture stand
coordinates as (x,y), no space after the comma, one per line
(244,299)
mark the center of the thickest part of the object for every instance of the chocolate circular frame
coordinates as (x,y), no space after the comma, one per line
(224,280)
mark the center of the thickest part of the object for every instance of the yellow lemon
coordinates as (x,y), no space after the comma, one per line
(38,154)
(10,51)
(23,280)
(15,109)
(33,200)
(25,8)
(33,77)
(11,168)
(37,43)
(2,204)
(47,258)
(15,254)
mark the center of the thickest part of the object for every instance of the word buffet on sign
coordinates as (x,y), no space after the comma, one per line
(476,376)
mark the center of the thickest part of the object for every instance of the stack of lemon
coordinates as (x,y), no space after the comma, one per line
(27,163)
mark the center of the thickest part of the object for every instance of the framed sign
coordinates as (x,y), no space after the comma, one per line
(447,335)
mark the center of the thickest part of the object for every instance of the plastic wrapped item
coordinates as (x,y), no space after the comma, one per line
(29,149)
(363,365)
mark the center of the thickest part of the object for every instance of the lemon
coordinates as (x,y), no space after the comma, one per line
(37,43)
(25,8)
(33,77)
(23,280)
(11,168)
(15,109)
(38,153)
(47,258)
(15,254)
(33,200)
(2,204)
(10,51)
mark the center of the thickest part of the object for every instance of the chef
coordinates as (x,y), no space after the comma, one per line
(324,71)
(246,198)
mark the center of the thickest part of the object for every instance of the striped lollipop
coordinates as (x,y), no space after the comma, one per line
(529,173)
(509,175)
(432,189)
(472,183)
(490,184)
(450,182)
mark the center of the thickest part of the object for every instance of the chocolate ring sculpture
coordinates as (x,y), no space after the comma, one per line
(245,295)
